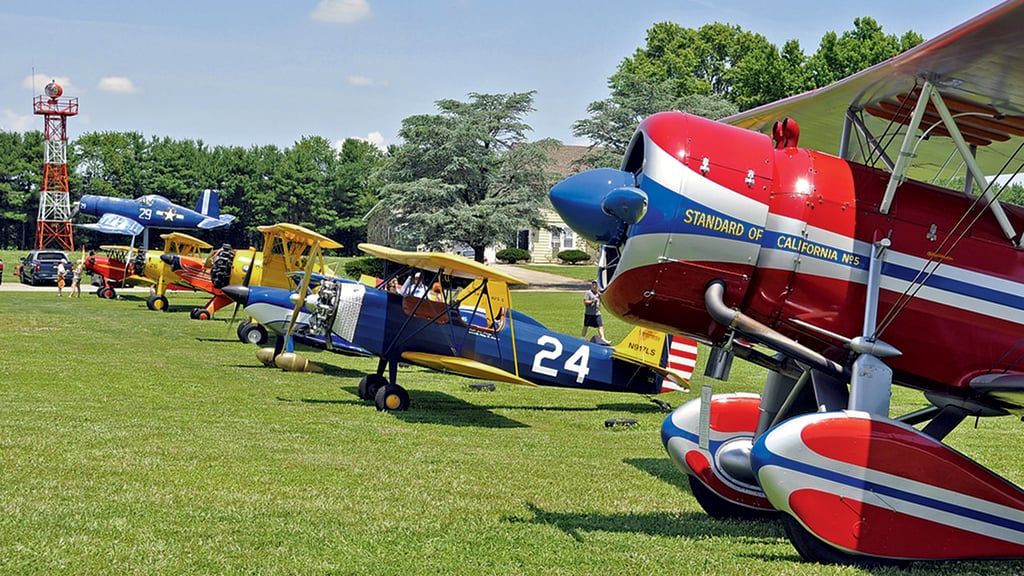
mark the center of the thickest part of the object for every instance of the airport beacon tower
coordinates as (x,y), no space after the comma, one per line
(53,225)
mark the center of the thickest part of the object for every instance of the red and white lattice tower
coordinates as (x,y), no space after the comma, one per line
(53,225)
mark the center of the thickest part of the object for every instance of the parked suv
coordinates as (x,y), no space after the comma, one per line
(41,266)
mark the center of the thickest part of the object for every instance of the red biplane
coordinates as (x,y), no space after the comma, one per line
(120,266)
(807,228)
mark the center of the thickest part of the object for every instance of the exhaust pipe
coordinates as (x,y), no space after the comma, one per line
(714,301)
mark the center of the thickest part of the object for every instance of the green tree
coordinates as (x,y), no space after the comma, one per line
(357,184)
(21,162)
(839,56)
(717,70)
(176,169)
(109,163)
(302,185)
(612,121)
(467,174)
(634,97)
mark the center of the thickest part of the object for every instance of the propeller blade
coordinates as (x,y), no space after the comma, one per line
(245,282)
(252,265)
(303,289)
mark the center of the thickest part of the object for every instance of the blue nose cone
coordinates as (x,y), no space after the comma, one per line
(578,200)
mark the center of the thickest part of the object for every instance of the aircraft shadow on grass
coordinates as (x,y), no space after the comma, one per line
(443,409)
(661,468)
(694,525)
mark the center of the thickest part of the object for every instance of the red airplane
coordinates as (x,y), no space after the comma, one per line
(804,228)
(112,267)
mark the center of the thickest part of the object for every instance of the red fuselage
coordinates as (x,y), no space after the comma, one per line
(790,233)
(112,270)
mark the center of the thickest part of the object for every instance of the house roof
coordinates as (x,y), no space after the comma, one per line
(564,159)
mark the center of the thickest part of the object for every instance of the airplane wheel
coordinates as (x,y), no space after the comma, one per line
(369,385)
(155,302)
(392,398)
(251,333)
(814,550)
(720,508)
(201,314)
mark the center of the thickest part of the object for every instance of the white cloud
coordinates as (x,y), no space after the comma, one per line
(342,11)
(12,122)
(118,84)
(375,138)
(360,81)
(38,82)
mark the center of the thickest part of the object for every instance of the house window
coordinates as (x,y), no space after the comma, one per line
(562,239)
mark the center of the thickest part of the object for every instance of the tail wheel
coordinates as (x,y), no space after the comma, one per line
(200,314)
(220,269)
(392,398)
(369,385)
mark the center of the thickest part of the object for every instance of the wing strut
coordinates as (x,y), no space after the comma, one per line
(930,94)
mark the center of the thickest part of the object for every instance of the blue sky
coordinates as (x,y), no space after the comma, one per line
(254,72)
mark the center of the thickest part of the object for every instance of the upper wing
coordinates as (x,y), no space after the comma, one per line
(463,367)
(116,224)
(434,261)
(978,67)
(294,231)
(181,239)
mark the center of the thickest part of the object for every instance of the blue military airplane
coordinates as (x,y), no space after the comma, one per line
(131,216)
(472,332)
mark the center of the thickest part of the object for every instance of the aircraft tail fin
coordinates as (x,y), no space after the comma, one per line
(498,297)
(209,204)
(673,357)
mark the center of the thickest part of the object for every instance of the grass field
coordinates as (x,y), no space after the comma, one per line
(139,442)
(583,272)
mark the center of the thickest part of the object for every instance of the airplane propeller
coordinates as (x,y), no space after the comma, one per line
(245,282)
(289,360)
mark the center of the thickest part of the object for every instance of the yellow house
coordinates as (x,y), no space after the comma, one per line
(553,236)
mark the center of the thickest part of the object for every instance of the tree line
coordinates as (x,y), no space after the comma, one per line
(466,175)
(310,183)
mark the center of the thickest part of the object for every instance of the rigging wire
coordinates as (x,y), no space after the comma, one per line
(937,257)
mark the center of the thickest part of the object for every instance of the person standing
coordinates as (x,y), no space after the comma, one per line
(76,279)
(62,269)
(592,313)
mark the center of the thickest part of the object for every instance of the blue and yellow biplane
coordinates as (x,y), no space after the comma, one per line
(471,330)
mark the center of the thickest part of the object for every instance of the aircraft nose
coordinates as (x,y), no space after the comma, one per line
(581,201)
(627,203)
(237,292)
